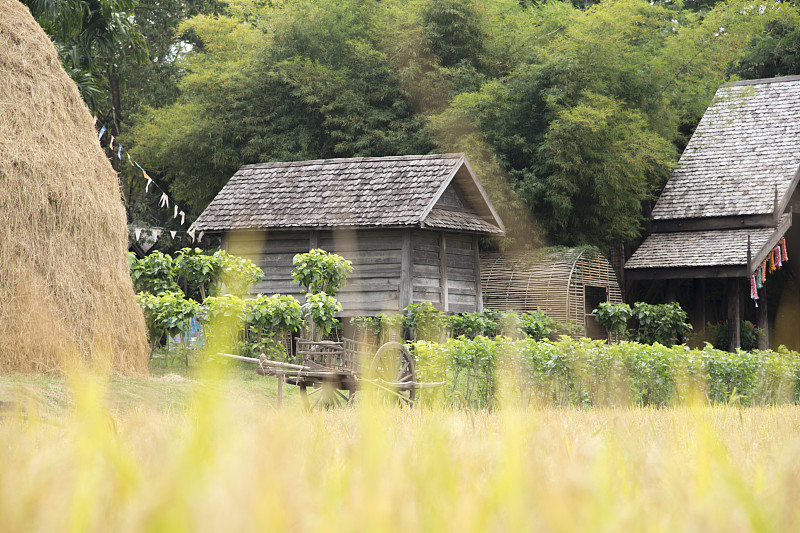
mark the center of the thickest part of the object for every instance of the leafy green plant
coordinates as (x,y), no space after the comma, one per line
(424,322)
(471,325)
(270,315)
(614,317)
(749,335)
(154,273)
(662,323)
(537,325)
(224,322)
(234,274)
(319,271)
(195,272)
(321,308)
(167,314)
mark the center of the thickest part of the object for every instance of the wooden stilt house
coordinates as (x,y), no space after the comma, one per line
(409,224)
(728,207)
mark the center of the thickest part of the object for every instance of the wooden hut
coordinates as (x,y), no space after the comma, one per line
(730,200)
(567,285)
(409,224)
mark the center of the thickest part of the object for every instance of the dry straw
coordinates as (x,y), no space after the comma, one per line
(65,291)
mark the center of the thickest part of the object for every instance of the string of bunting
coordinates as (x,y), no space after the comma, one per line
(774,260)
(164,201)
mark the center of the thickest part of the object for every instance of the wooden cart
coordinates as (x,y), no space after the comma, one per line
(329,373)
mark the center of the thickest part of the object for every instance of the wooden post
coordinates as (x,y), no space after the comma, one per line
(671,290)
(762,319)
(406,270)
(445,293)
(280,388)
(734,314)
(700,304)
(478,295)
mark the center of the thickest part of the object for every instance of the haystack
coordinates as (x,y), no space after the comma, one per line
(65,290)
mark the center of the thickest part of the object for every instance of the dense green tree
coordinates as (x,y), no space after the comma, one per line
(589,126)
(91,37)
(301,82)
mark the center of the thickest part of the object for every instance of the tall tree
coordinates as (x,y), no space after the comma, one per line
(288,82)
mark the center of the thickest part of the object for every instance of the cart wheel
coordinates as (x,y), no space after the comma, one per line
(393,363)
(323,396)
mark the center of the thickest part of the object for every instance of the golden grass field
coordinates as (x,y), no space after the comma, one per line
(212,453)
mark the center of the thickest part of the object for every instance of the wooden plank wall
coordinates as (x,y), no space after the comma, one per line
(462,288)
(377,256)
(273,252)
(374,285)
(426,270)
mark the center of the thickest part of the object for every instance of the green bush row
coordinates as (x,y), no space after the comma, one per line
(569,372)
(422,321)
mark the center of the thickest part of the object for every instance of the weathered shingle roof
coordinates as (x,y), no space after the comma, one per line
(746,146)
(364,191)
(713,248)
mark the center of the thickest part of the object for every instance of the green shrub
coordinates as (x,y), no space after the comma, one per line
(614,317)
(166,314)
(320,271)
(321,309)
(154,273)
(471,325)
(662,323)
(749,335)
(537,325)
(569,372)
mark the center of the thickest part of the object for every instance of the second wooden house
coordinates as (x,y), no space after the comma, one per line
(409,224)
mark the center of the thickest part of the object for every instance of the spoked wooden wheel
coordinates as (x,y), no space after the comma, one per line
(323,396)
(393,374)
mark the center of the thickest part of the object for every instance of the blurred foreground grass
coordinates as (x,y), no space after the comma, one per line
(200,452)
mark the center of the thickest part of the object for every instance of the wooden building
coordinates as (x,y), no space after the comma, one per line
(566,284)
(409,224)
(731,198)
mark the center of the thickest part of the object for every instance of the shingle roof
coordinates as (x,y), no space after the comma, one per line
(746,145)
(713,248)
(364,191)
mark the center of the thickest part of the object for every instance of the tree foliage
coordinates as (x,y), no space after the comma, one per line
(573,114)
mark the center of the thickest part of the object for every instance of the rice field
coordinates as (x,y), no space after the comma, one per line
(213,453)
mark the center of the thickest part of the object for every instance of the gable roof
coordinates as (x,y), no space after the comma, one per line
(710,253)
(395,191)
(730,198)
(744,150)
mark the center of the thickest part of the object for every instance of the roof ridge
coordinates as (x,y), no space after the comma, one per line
(339,160)
(763,81)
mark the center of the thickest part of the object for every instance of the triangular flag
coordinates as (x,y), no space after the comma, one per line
(191,233)
(164,200)
(147,187)
(200,237)
(111,144)
(172,234)
(129,159)
(183,217)
(175,214)
(138,233)
(119,152)
(102,131)
(155,234)
(95,120)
